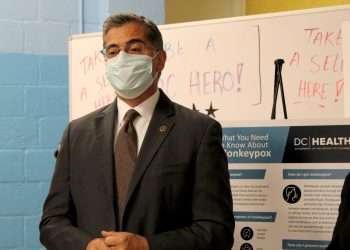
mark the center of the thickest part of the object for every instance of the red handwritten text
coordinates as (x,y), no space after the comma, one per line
(89,63)
(316,36)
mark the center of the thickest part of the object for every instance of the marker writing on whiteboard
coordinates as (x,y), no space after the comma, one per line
(216,81)
(324,61)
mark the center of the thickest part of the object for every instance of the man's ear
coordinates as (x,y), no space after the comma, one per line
(161,61)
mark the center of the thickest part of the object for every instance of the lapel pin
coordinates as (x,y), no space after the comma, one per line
(163,128)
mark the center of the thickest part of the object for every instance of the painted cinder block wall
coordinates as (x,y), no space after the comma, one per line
(34,100)
(33,109)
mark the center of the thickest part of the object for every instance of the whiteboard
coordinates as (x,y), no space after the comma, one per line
(228,64)
(346,55)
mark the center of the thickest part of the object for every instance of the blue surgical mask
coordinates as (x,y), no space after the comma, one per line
(130,75)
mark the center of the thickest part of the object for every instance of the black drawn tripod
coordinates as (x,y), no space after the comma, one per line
(278,83)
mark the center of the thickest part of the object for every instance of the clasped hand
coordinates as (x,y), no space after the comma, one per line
(118,241)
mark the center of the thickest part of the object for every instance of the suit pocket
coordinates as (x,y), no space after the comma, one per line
(174,184)
(176,179)
(170,169)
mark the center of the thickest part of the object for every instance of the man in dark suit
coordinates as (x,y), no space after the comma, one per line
(341,233)
(155,180)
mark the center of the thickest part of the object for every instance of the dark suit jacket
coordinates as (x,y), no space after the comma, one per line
(341,234)
(179,196)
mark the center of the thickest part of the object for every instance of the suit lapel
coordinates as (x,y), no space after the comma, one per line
(104,129)
(161,124)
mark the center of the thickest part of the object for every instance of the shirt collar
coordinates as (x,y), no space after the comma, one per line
(145,109)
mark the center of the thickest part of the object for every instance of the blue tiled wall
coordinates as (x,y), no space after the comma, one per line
(153,9)
(34,111)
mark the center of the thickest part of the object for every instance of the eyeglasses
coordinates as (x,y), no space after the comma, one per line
(132,47)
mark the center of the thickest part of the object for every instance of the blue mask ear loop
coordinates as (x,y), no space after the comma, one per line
(157,53)
(157,73)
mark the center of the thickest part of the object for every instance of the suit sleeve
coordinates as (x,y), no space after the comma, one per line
(212,213)
(341,234)
(57,226)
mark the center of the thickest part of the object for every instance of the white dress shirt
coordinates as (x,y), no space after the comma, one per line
(141,122)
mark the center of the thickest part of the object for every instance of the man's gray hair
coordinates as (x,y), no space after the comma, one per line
(152,33)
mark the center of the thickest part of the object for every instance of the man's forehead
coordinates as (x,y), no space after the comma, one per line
(126,32)
(129,29)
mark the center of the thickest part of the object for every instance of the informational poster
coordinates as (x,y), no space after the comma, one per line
(286,182)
